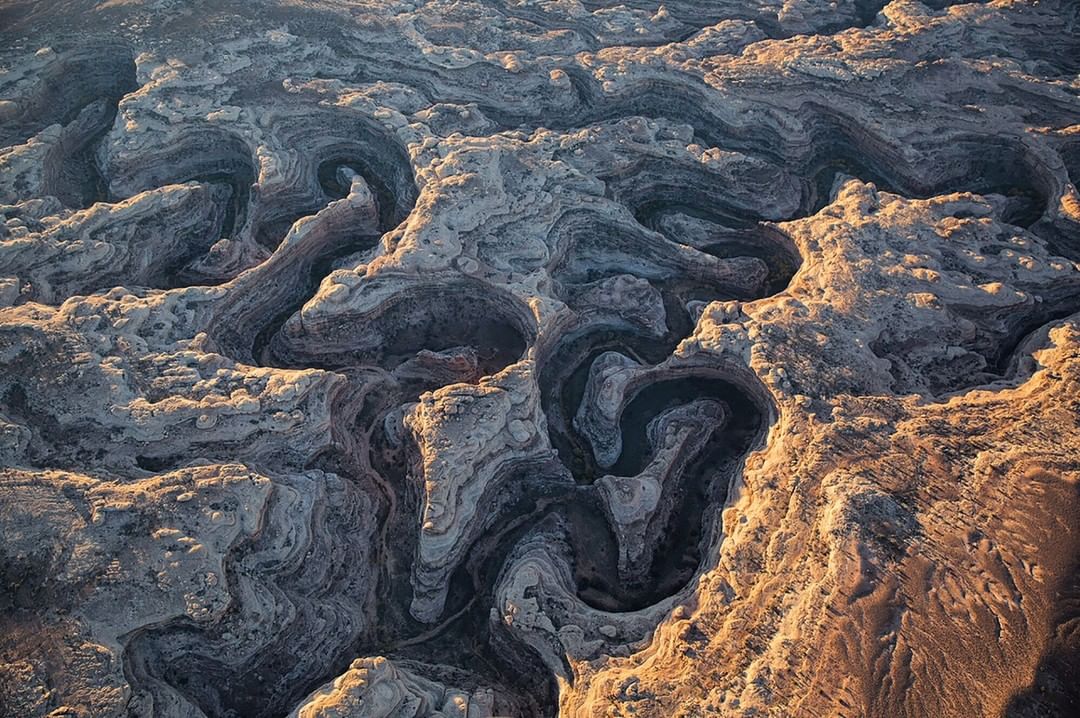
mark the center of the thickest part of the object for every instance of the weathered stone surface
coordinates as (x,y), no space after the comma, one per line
(377,687)
(513,358)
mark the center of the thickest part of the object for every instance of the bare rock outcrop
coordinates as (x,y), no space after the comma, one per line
(487,358)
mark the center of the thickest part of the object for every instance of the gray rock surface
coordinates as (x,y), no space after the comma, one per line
(503,357)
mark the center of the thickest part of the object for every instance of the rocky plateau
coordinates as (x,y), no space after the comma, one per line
(539,358)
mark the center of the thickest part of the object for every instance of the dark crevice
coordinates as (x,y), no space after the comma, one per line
(70,84)
(426,320)
(80,91)
(981,165)
(317,270)
(1003,360)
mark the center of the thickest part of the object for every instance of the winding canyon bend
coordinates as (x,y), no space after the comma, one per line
(539,357)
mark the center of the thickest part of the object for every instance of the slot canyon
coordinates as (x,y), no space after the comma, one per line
(539,358)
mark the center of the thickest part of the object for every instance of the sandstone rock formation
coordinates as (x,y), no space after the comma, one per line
(502,357)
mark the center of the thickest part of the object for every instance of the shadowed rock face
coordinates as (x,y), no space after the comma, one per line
(493,358)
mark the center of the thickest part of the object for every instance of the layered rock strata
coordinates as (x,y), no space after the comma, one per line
(508,358)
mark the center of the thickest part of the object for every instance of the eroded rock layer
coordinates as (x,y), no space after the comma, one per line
(502,357)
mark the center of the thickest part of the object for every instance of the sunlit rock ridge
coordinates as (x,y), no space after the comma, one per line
(539,358)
